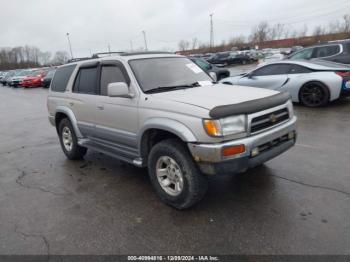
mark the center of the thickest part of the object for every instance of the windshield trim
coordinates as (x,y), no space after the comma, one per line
(135,59)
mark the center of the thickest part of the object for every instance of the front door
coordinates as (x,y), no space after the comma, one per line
(117,117)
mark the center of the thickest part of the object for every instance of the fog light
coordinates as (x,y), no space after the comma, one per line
(233,150)
(255,152)
(291,135)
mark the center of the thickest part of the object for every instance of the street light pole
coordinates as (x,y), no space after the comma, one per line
(70,46)
(144,38)
(211,31)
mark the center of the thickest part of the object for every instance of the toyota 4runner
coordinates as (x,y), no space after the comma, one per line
(163,112)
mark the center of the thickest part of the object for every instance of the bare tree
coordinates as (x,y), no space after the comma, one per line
(194,43)
(319,30)
(184,45)
(276,32)
(60,58)
(260,33)
(44,58)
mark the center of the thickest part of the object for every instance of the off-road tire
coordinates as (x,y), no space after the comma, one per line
(77,152)
(195,184)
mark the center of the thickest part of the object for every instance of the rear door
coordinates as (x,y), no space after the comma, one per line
(270,76)
(83,98)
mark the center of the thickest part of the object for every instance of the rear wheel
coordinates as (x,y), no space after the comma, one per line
(69,141)
(314,94)
(174,175)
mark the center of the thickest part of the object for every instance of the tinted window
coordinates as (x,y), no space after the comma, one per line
(166,71)
(329,50)
(110,74)
(304,54)
(86,81)
(276,69)
(297,69)
(202,64)
(61,78)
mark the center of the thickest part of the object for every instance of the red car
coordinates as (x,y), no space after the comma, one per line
(35,79)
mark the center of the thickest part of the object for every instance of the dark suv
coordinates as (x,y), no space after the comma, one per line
(337,51)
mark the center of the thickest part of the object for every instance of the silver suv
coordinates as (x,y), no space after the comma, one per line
(163,112)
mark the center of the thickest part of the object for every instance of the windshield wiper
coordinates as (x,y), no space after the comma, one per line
(171,88)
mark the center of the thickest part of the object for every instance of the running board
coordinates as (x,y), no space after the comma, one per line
(110,151)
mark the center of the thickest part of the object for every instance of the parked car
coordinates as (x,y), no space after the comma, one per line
(220,73)
(313,83)
(34,79)
(229,58)
(15,80)
(48,78)
(337,51)
(6,80)
(163,112)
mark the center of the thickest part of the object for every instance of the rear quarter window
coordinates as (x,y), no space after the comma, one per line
(61,78)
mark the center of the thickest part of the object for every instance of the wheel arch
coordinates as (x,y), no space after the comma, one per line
(65,112)
(158,129)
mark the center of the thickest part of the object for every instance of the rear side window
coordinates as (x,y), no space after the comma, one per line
(110,74)
(297,69)
(61,78)
(276,69)
(86,81)
(328,50)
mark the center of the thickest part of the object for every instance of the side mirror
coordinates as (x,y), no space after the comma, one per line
(118,89)
(213,76)
(249,76)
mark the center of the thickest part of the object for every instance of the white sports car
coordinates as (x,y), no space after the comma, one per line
(313,83)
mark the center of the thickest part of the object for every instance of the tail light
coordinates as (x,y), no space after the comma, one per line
(343,74)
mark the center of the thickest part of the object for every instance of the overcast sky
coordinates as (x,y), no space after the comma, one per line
(93,24)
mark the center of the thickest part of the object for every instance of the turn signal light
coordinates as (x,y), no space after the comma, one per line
(212,127)
(233,150)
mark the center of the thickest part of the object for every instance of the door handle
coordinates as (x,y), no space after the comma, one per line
(101,107)
(71,103)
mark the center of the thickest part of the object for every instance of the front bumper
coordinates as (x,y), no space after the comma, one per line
(271,143)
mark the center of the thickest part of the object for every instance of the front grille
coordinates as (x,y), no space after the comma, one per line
(268,120)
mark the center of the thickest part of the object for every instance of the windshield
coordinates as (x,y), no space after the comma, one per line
(35,73)
(152,73)
(50,73)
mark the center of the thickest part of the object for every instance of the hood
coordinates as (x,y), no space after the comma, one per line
(16,78)
(31,78)
(212,96)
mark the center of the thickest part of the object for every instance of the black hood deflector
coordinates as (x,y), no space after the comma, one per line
(249,107)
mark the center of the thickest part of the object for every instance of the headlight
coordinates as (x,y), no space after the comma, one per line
(225,126)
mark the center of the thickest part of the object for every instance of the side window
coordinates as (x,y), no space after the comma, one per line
(61,78)
(303,54)
(328,50)
(86,81)
(297,69)
(202,64)
(110,74)
(276,69)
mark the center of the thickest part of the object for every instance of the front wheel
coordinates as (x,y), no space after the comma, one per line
(69,141)
(314,94)
(174,175)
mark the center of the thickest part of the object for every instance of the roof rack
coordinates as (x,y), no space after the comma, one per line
(146,53)
(104,54)
(73,60)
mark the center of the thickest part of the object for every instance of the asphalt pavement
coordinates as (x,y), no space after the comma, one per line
(297,203)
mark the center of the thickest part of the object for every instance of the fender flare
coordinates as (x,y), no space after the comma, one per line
(166,124)
(69,113)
